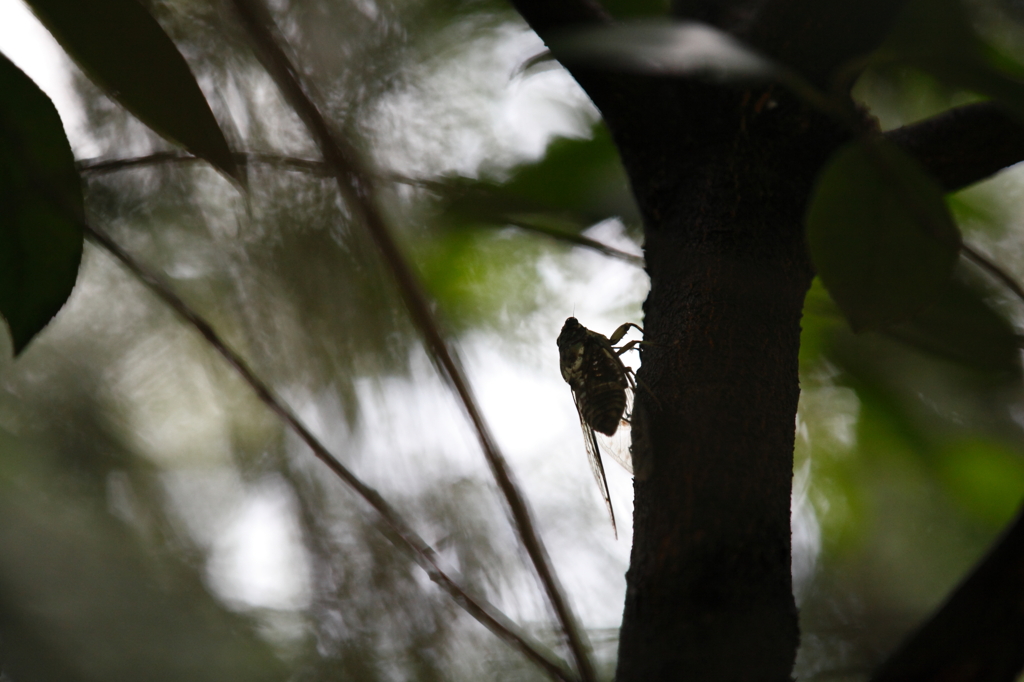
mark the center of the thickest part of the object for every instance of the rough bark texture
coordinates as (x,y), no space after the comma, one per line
(722,192)
(964,145)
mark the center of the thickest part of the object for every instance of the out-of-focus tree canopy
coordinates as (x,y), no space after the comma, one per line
(159,521)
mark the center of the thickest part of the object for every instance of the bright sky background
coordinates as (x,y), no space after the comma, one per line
(26,43)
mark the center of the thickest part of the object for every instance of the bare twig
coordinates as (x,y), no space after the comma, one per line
(94,166)
(578,240)
(357,188)
(320,168)
(114,165)
(992,269)
(404,536)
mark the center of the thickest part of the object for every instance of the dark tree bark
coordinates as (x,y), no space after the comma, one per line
(722,177)
(709,586)
(963,145)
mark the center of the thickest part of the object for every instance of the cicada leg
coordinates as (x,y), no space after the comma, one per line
(632,345)
(621,331)
(630,377)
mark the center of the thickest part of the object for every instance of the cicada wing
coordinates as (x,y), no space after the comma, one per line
(619,445)
(596,467)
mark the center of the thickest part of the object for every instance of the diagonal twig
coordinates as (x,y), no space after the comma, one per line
(992,269)
(578,240)
(963,145)
(404,536)
(94,166)
(320,168)
(356,186)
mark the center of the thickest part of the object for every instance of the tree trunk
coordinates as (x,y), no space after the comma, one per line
(721,176)
(722,179)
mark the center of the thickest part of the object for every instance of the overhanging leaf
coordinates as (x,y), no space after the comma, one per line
(880,235)
(938,36)
(679,48)
(41,196)
(124,50)
(686,48)
(961,326)
(577,182)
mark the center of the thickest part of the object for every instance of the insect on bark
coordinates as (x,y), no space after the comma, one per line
(602,388)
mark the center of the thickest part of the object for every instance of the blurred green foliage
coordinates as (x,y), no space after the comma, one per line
(133,576)
(940,37)
(580,181)
(880,235)
(481,245)
(83,598)
(928,469)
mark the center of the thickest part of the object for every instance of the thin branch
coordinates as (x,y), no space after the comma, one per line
(115,165)
(579,240)
(357,188)
(964,145)
(404,536)
(97,166)
(994,270)
(94,166)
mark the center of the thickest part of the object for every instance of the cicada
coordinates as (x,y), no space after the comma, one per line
(602,388)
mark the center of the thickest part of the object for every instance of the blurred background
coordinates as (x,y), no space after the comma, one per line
(160,523)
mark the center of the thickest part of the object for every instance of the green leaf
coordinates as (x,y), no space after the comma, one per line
(938,36)
(41,196)
(880,234)
(575,184)
(961,326)
(684,48)
(985,476)
(123,49)
(480,277)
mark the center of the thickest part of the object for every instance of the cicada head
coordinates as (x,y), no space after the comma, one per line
(572,331)
(571,344)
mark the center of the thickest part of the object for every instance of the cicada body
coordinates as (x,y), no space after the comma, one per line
(601,386)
